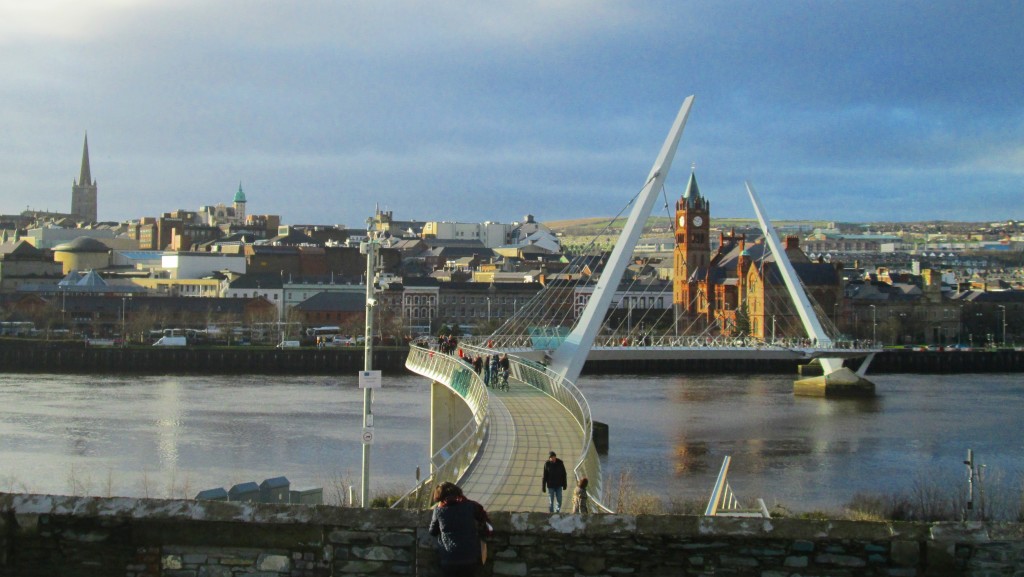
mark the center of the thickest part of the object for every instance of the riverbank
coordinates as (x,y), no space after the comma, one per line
(75,357)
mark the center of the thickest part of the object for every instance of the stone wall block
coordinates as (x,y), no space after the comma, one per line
(511,569)
(380,554)
(796,561)
(273,562)
(974,531)
(346,537)
(906,553)
(356,567)
(940,557)
(736,561)
(405,539)
(171,562)
(213,571)
(839,560)
(27,524)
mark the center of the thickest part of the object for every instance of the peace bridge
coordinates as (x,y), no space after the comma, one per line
(493,443)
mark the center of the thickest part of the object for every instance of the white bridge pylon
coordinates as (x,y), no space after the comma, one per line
(568,359)
(803,306)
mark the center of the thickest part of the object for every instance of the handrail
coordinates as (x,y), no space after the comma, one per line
(451,461)
(588,463)
(723,501)
(526,342)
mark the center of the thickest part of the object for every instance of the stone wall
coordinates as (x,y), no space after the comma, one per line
(52,535)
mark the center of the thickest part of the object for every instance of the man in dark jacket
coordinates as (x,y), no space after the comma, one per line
(554,482)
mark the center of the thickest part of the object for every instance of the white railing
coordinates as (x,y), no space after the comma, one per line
(723,501)
(526,342)
(450,462)
(588,463)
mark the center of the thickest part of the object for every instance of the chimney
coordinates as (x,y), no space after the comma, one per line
(792,242)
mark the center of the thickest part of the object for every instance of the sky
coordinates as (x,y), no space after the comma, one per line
(472,111)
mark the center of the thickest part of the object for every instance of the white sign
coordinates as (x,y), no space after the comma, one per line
(367,435)
(369,379)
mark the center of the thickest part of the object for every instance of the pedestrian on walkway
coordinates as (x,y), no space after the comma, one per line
(460,525)
(554,482)
(580,499)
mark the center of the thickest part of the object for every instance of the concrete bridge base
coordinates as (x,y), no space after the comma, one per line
(841,383)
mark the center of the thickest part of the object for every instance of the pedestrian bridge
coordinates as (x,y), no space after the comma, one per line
(494,443)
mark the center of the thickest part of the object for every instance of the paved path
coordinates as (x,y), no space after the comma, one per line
(525,425)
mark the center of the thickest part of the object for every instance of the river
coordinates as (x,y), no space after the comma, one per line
(176,435)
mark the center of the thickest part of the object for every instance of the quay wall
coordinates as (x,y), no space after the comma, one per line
(89,536)
(75,357)
(78,358)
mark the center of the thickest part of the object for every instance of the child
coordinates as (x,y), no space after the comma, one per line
(580,500)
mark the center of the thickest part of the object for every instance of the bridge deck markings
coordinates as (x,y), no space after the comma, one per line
(525,425)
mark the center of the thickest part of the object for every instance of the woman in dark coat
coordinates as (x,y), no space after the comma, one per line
(459,524)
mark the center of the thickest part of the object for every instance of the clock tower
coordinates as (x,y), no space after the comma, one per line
(693,245)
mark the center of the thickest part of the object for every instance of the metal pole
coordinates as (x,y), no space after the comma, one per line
(1003,307)
(368,359)
(874,326)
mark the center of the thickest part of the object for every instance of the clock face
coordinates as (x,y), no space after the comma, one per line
(697,221)
(682,221)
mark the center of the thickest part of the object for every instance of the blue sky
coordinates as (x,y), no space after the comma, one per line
(471,111)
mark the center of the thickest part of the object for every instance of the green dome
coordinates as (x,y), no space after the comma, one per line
(239,196)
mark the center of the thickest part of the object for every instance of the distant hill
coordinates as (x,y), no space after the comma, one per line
(598,224)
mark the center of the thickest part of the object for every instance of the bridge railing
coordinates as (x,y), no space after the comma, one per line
(527,342)
(723,501)
(451,461)
(588,463)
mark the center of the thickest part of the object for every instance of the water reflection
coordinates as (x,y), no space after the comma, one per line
(168,422)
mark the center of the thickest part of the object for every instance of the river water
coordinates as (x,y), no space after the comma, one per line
(175,435)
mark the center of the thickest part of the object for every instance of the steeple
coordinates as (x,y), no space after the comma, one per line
(83,192)
(239,196)
(692,194)
(85,179)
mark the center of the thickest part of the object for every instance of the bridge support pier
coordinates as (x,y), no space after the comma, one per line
(840,383)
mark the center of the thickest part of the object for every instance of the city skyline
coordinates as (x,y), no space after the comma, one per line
(860,112)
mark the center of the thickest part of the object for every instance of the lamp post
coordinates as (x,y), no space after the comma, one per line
(124,303)
(773,329)
(959,323)
(488,312)
(874,326)
(371,303)
(1003,309)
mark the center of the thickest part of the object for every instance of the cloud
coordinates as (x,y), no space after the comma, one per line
(465,111)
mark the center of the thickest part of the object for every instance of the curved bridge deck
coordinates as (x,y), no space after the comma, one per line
(526,424)
(494,443)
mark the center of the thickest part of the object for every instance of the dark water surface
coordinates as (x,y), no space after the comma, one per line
(176,435)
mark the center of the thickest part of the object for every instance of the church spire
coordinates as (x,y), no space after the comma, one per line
(85,179)
(692,194)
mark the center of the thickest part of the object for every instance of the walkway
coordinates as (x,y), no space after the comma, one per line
(526,425)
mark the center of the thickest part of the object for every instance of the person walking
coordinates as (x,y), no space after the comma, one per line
(459,524)
(580,499)
(554,482)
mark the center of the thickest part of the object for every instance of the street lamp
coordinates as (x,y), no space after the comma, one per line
(1003,309)
(773,329)
(488,310)
(124,302)
(874,325)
